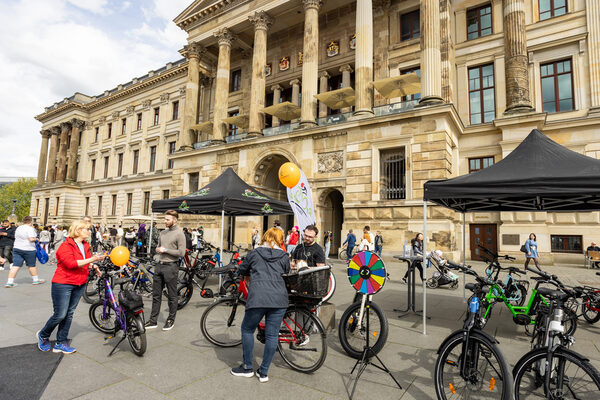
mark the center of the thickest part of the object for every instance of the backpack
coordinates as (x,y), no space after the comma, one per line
(40,253)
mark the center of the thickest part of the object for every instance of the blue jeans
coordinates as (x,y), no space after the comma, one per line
(252,317)
(64,299)
(378,251)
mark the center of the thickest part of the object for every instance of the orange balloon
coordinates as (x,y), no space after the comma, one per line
(289,174)
(119,256)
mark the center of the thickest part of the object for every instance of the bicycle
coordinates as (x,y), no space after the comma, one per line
(110,316)
(343,255)
(302,338)
(470,363)
(550,369)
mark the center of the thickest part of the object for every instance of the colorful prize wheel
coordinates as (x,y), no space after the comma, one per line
(366,272)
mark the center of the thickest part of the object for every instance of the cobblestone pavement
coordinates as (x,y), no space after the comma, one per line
(181,364)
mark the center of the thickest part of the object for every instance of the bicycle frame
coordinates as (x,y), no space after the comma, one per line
(110,297)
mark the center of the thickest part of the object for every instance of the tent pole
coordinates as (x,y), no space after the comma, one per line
(221,249)
(424,267)
(464,258)
(149,251)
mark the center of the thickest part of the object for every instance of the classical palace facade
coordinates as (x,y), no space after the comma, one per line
(490,71)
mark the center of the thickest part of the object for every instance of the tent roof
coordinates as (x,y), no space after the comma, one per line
(227,192)
(539,175)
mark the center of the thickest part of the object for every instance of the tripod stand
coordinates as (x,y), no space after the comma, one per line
(367,354)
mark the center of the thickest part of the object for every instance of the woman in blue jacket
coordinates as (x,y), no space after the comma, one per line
(532,251)
(267,297)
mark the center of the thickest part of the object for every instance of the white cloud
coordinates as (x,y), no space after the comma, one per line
(51,49)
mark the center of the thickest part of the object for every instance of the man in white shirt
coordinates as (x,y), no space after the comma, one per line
(120,235)
(24,252)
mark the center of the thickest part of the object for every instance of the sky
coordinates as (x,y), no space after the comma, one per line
(50,49)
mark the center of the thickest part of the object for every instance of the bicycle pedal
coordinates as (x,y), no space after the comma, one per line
(108,337)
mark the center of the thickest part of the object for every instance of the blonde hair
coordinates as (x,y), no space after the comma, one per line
(76,227)
(273,236)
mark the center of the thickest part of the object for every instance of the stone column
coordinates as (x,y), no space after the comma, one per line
(431,61)
(364,58)
(192,52)
(381,41)
(256,123)
(295,91)
(310,61)
(592,9)
(276,100)
(41,177)
(447,50)
(61,170)
(515,58)
(75,138)
(346,70)
(323,87)
(52,155)
(224,37)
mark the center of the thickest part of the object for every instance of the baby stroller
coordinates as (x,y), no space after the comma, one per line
(442,276)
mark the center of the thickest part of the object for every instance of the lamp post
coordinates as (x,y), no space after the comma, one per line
(13,217)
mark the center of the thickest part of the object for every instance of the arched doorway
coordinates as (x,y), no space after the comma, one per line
(266,180)
(333,218)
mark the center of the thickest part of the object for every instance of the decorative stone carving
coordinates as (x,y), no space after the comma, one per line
(268,70)
(352,42)
(261,20)
(77,123)
(130,110)
(300,58)
(146,104)
(330,162)
(225,36)
(284,64)
(164,97)
(89,125)
(182,91)
(115,115)
(333,48)
(101,120)
(193,50)
(312,4)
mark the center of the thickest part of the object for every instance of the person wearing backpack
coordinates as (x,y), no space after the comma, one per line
(531,252)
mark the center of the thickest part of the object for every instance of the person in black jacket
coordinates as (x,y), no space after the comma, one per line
(417,250)
(267,297)
(7,240)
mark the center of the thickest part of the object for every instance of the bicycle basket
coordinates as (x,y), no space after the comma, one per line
(130,300)
(309,284)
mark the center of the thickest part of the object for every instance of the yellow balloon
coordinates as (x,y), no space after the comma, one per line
(119,256)
(289,174)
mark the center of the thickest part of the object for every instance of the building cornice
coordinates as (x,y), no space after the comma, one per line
(211,11)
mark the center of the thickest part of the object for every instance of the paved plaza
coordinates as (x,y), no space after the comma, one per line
(181,364)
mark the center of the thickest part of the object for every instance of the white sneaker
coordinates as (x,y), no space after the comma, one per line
(11,265)
(1,268)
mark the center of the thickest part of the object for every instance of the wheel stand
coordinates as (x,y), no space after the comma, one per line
(411,303)
(365,360)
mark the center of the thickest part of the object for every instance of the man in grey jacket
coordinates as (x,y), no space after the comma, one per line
(171,246)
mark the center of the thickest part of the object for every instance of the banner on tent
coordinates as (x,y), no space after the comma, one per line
(300,199)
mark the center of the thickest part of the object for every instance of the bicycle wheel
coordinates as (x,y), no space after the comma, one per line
(184,294)
(521,297)
(221,322)
(342,255)
(103,320)
(90,293)
(302,340)
(331,288)
(572,377)
(591,308)
(354,337)
(488,374)
(570,321)
(228,288)
(136,334)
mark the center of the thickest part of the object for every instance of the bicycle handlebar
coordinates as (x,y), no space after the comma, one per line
(496,255)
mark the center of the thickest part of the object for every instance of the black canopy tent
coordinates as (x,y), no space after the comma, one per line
(538,175)
(227,195)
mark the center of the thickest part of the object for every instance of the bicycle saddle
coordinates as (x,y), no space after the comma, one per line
(552,294)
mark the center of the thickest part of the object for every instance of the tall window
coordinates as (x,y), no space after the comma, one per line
(56,206)
(37,206)
(152,158)
(481,94)
(139,122)
(96,132)
(93,175)
(479,22)
(165,194)
(566,243)
(123,126)
(392,174)
(129,202)
(146,203)
(120,164)
(410,26)
(194,180)
(156,115)
(236,80)
(171,151)
(87,206)
(552,8)
(176,109)
(415,96)
(136,160)
(233,129)
(113,208)
(100,205)
(475,164)
(109,134)
(105,167)
(557,86)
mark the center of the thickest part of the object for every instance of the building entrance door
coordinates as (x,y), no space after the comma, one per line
(484,234)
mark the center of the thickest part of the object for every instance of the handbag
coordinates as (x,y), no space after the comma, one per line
(40,253)
(523,249)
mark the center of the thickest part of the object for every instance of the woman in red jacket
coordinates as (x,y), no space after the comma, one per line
(74,259)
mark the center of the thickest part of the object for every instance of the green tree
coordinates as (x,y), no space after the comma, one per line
(20,191)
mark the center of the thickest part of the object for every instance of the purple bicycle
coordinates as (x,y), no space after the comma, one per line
(127,314)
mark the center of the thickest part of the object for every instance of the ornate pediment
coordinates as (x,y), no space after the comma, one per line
(202,9)
(195,8)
